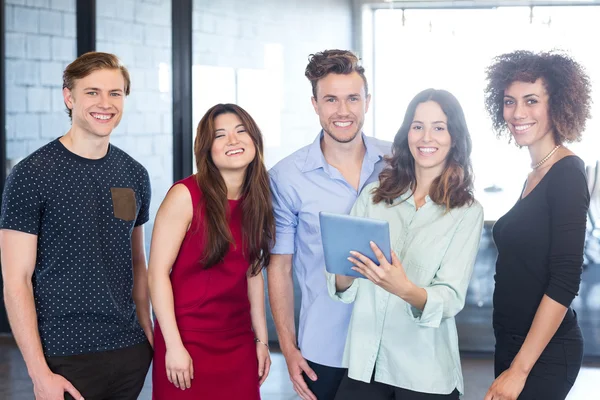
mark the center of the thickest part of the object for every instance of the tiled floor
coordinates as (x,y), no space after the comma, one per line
(478,372)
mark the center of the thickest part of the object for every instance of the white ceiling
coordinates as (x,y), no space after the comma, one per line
(472,3)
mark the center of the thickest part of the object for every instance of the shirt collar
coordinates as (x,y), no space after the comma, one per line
(409,198)
(315,158)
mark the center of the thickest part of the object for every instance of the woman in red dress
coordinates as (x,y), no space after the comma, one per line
(211,239)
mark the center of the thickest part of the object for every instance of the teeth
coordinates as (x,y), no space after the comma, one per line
(232,152)
(102,116)
(427,149)
(342,124)
(522,127)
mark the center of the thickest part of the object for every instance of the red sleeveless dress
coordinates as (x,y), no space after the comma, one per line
(213,316)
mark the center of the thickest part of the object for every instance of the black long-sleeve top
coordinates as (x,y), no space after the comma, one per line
(540,248)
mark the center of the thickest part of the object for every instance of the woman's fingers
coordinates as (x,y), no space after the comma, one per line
(363,261)
(173,378)
(379,254)
(396,261)
(187,379)
(366,272)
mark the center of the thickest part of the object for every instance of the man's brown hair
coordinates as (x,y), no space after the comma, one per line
(90,62)
(343,62)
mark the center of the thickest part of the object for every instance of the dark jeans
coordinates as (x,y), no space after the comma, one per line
(553,375)
(328,380)
(108,375)
(351,389)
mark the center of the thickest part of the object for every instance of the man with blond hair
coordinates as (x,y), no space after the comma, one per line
(72,240)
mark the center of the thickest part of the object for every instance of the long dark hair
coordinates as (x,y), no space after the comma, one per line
(258,223)
(454,187)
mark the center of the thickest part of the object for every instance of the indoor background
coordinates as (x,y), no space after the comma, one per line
(186,55)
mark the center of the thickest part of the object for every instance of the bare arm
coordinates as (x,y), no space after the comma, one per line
(510,383)
(342,282)
(19,253)
(256,295)
(548,318)
(415,296)
(141,295)
(281,299)
(172,221)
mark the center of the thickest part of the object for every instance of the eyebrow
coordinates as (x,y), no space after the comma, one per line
(527,95)
(223,129)
(434,122)
(99,90)
(334,96)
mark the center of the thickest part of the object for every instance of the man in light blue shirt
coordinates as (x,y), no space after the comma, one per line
(327,175)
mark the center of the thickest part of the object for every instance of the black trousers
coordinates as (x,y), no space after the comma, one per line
(108,375)
(553,375)
(351,389)
(328,380)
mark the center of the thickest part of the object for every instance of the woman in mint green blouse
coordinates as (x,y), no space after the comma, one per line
(402,342)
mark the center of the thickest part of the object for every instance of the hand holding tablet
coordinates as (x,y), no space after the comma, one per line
(342,234)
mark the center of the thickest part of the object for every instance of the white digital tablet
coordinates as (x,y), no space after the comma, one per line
(342,233)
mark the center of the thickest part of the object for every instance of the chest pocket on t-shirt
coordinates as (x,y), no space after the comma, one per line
(124,203)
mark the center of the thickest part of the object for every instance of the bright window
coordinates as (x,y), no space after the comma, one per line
(450,49)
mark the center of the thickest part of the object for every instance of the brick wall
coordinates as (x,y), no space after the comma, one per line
(40,42)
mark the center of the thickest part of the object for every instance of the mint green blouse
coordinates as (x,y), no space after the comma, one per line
(403,346)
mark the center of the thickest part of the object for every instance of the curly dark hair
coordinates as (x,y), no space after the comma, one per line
(454,187)
(333,62)
(566,82)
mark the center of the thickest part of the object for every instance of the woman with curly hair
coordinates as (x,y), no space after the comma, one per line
(543,101)
(402,343)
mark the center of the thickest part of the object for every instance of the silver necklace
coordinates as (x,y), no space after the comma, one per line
(534,166)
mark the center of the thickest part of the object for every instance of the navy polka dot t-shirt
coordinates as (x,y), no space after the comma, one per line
(83,212)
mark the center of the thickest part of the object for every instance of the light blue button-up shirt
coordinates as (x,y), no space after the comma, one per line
(303,184)
(408,348)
